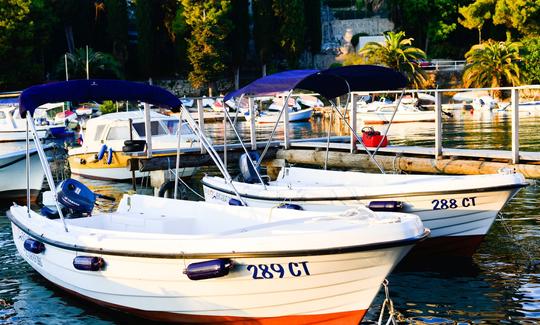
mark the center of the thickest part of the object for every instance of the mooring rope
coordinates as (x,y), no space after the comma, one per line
(525,251)
(388,303)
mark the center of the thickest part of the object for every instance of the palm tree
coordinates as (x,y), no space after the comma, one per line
(100,65)
(493,64)
(397,53)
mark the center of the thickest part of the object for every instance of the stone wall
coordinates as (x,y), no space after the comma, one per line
(370,26)
(182,87)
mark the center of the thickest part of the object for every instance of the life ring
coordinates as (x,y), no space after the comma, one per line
(109,156)
(167,187)
(101,152)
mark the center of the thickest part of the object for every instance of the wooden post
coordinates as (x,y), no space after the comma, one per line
(515,125)
(148,130)
(354,101)
(286,140)
(438,125)
(200,110)
(252,130)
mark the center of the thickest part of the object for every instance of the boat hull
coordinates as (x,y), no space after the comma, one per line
(337,288)
(86,165)
(299,116)
(18,135)
(400,117)
(12,174)
(452,217)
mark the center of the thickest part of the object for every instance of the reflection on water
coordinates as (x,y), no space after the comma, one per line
(495,287)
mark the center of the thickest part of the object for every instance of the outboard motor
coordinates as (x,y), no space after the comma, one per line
(76,197)
(246,168)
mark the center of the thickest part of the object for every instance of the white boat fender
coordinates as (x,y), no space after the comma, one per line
(34,246)
(209,269)
(109,155)
(88,263)
(101,152)
(393,206)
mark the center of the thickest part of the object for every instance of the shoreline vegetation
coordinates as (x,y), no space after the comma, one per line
(206,42)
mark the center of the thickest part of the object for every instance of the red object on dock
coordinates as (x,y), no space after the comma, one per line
(372,138)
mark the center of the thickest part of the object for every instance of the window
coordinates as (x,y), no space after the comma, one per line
(118,133)
(99,132)
(155,128)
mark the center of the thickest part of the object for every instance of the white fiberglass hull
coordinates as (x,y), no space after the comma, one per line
(18,135)
(298,116)
(400,117)
(462,214)
(295,285)
(13,179)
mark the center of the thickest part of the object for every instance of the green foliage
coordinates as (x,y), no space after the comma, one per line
(155,49)
(335,65)
(25,28)
(108,106)
(493,64)
(356,39)
(181,34)
(264,30)
(522,16)
(117,28)
(291,28)
(531,60)
(207,50)
(102,65)
(397,53)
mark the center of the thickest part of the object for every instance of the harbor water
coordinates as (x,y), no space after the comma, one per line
(501,284)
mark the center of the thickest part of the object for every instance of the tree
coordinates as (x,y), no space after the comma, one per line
(207,52)
(493,64)
(155,50)
(531,60)
(181,33)
(117,28)
(291,28)
(239,37)
(520,16)
(397,53)
(102,65)
(476,14)
(264,27)
(25,28)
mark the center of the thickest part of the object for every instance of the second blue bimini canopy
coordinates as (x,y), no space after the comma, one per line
(94,90)
(328,83)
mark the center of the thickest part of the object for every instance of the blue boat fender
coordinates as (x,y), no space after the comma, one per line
(291,206)
(101,152)
(88,263)
(109,156)
(208,269)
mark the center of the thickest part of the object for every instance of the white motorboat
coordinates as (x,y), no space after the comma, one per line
(458,209)
(209,263)
(12,175)
(13,127)
(383,113)
(251,264)
(102,154)
(273,117)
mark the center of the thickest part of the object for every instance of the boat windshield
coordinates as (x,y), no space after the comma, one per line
(172,126)
(156,128)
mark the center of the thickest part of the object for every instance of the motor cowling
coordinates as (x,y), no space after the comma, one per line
(249,174)
(76,197)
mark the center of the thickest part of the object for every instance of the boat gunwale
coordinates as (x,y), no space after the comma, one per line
(366,197)
(233,254)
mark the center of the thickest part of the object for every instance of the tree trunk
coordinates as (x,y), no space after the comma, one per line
(264,70)
(68,30)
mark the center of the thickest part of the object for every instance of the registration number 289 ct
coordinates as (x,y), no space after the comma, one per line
(443,204)
(274,270)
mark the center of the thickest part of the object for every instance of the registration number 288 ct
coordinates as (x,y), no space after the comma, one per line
(274,270)
(443,204)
